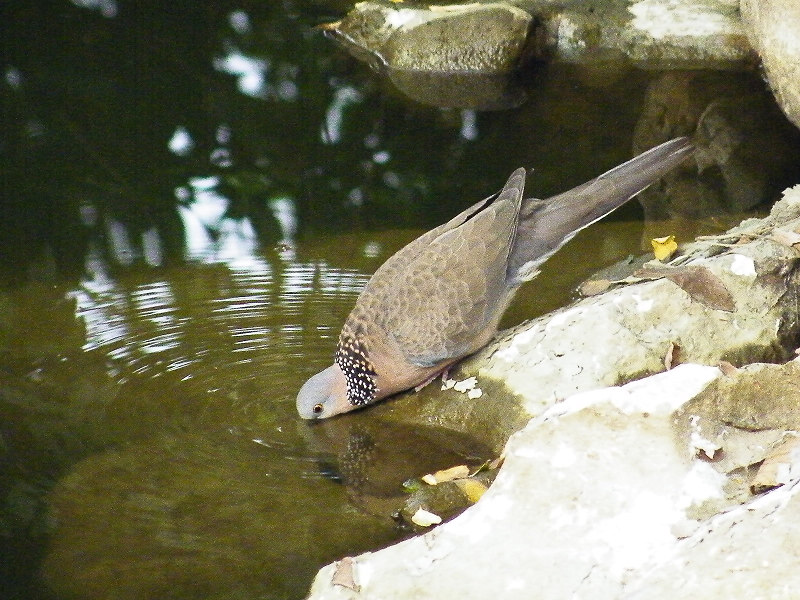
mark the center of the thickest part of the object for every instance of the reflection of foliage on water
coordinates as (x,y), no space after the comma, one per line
(107,113)
(195,516)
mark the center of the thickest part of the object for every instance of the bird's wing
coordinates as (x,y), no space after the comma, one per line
(441,303)
(546,225)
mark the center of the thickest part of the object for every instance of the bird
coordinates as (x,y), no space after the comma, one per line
(440,298)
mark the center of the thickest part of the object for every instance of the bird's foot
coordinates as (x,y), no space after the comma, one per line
(443,373)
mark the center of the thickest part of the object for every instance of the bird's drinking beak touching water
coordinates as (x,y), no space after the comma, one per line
(440,298)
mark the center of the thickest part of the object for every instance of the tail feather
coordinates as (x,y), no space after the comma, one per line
(546,225)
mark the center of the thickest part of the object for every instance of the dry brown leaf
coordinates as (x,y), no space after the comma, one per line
(727,368)
(344,575)
(671,357)
(497,462)
(781,465)
(594,287)
(787,237)
(703,286)
(699,282)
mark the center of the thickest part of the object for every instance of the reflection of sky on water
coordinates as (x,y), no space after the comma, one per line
(229,301)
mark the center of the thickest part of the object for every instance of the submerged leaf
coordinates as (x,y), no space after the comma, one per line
(458,472)
(472,489)
(594,287)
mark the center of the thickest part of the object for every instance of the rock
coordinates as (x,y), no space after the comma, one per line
(745,147)
(742,554)
(598,498)
(650,34)
(773,27)
(472,55)
(566,352)
(452,56)
(756,397)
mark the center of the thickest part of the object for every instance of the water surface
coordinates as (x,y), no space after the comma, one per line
(194,195)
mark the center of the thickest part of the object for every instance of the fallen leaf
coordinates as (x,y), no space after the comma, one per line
(781,465)
(664,247)
(594,287)
(423,518)
(472,489)
(699,282)
(705,287)
(787,237)
(450,474)
(344,575)
(671,357)
(497,462)
(727,368)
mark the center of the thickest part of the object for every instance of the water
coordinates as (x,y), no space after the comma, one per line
(193,198)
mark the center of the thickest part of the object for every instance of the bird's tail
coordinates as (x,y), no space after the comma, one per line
(546,225)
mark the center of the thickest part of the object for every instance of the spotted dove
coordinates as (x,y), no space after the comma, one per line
(440,298)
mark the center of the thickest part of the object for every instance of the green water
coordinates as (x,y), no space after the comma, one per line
(193,196)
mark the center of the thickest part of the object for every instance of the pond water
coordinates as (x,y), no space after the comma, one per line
(194,195)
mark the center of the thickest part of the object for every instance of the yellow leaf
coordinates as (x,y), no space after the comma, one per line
(472,489)
(664,247)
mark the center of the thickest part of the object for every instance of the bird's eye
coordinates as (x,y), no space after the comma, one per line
(317,408)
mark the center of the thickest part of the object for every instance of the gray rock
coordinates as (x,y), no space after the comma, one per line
(452,56)
(746,149)
(773,27)
(474,55)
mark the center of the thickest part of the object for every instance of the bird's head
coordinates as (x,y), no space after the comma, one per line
(324,395)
